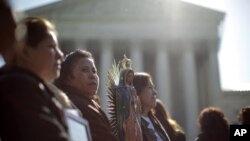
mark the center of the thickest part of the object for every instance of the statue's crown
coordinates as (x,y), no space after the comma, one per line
(125,63)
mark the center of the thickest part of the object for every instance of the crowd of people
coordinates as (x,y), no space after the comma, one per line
(37,85)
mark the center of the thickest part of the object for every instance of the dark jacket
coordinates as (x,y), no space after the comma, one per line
(212,137)
(98,122)
(148,134)
(29,110)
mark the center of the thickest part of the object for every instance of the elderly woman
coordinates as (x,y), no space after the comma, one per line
(31,110)
(79,80)
(152,129)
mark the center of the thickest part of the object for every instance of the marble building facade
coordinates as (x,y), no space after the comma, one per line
(174,41)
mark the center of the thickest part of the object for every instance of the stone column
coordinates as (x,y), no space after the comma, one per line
(190,91)
(136,56)
(105,65)
(213,77)
(162,75)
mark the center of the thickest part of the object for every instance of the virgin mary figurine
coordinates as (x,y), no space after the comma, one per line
(124,104)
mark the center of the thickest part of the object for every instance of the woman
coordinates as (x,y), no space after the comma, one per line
(80,81)
(31,110)
(152,129)
(213,124)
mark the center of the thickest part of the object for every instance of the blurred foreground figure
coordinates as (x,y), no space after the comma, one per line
(7,31)
(31,110)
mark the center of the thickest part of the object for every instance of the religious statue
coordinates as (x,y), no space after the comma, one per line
(124,105)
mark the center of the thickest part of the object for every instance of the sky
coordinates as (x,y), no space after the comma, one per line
(20,5)
(234,49)
(234,46)
(219,5)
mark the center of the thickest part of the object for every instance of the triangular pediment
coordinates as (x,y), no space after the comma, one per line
(119,10)
(130,19)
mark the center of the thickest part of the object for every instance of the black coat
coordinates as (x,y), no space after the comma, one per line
(212,137)
(29,110)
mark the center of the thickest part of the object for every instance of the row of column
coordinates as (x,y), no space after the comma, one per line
(136,51)
(187,70)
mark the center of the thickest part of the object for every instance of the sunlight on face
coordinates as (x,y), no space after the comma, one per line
(148,96)
(46,57)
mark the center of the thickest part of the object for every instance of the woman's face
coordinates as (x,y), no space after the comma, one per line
(45,59)
(84,77)
(148,97)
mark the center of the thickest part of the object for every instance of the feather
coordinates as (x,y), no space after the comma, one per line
(113,80)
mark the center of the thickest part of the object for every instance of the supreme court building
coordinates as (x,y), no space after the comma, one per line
(176,42)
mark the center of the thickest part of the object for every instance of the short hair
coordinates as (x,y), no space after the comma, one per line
(141,80)
(212,119)
(32,30)
(244,115)
(68,65)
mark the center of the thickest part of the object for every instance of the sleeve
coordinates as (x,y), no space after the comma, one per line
(25,114)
